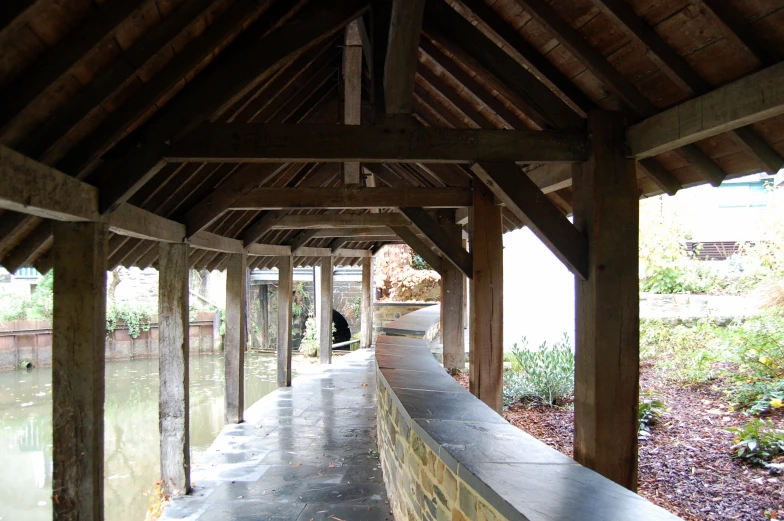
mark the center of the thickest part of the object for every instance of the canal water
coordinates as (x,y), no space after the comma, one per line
(131,431)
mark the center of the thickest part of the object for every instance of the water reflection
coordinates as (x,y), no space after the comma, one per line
(131,431)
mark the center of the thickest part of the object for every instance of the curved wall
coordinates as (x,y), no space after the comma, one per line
(446,455)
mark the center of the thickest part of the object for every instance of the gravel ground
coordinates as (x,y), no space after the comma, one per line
(685,465)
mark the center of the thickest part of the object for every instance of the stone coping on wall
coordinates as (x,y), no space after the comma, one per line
(412,303)
(447,455)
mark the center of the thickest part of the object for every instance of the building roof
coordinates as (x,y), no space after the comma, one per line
(95,88)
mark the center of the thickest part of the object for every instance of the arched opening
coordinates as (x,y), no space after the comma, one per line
(340,330)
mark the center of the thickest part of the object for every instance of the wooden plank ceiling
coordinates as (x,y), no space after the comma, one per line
(87,84)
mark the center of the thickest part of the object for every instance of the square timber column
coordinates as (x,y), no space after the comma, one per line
(325,311)
(235,339)
(606,210)
(366,304)
(285,293)
(78,383)
(486,373)
(174,348)
(452,305)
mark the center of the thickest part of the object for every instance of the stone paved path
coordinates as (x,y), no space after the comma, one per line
(304,453)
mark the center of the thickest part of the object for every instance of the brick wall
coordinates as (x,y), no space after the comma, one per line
(419,484)
(344,298)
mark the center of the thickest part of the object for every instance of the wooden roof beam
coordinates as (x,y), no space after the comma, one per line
(357,198)
(419,246)
(239,142)
(756,97)
(679,70)
(735,26)
(300,240)
(520,195)
(535,61)
(242,66)
(118,75)
(448,248)
(57,60)
(322,221)
(596,63)
(405,27)
(540,103)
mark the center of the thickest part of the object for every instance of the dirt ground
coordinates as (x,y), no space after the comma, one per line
(685,465)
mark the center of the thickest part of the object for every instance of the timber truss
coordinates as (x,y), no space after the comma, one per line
(235,134)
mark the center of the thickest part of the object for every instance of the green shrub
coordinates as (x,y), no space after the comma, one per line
(649,413)
(543,375)
(137,318)
(42,300)
(757,397)
(759,342)
(309,344)
(12,306)
(757,442)
(685,353)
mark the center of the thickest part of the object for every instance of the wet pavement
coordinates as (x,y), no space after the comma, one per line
(304,453)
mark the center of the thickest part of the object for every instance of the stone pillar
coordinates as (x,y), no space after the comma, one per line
(78,384)
(173,415)
(366,304)
(235,341)
(606,210)
(487,299)
(452,305)
(325,311)
(285,289)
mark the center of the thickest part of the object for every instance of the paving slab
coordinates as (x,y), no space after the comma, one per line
(307,452)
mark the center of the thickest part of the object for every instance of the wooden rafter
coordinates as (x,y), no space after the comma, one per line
(405,27)
(448,248)
(539,102)
(424,250)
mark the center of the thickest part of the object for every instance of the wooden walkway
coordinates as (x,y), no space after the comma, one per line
(304,453)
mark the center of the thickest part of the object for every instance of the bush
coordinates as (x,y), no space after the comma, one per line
(309,344)
(543,375)
(757,397)
(13,306)
(649,413)
(42,300)
(688,354)
(759,342)
(757,442)
(137,318)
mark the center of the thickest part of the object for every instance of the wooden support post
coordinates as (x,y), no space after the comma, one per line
(487,299)
(285,288)
(235,341)
(325,312)
(263,320)
(366,304)
(606,210)
(173,367)
(78,387)
(352,90)
(452,306)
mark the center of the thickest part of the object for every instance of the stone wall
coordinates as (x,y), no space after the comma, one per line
(386,312)
(419,484)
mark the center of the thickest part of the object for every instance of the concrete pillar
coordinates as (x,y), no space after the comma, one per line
(325,311)
(78,384)
(606,210)
(487,299)
(235,339)
(366,304)
(173,367)
(285,315)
